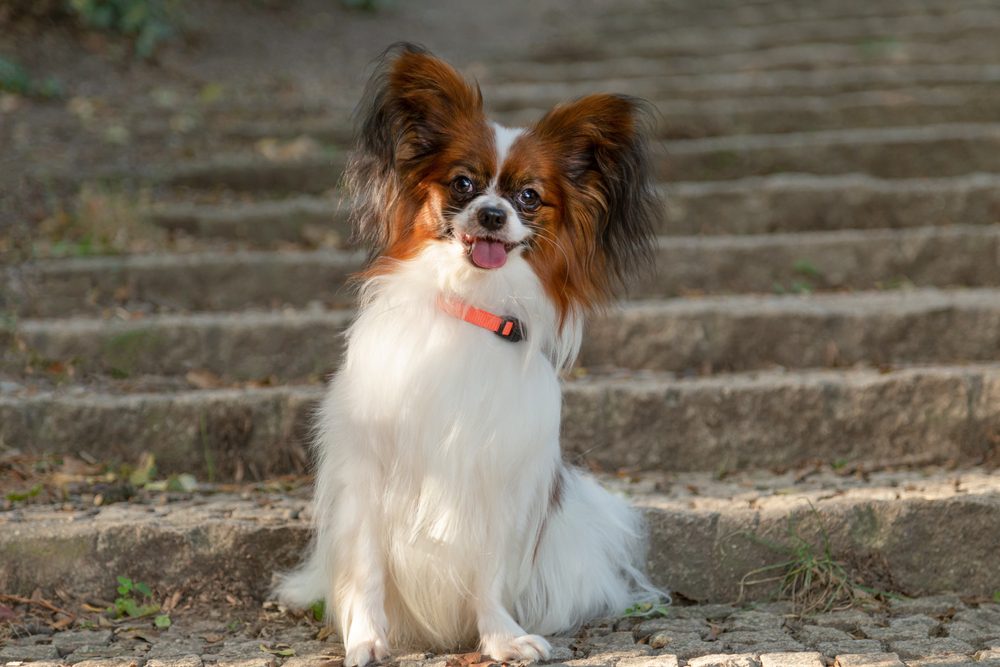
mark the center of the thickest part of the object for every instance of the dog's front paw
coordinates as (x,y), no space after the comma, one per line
(362,652)
(526,647)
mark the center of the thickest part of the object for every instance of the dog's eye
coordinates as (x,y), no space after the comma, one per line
(528,199)
(462,185)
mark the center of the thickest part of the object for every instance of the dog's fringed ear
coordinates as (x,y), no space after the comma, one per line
(412,103)
(601,142)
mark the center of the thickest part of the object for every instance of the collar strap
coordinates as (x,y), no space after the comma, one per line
(508,328)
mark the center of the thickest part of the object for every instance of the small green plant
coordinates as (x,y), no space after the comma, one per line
(146,22)
(806,268)
(996,596)
(318,610)
(14,78)
(127,604)
(646,610)
(135,600)
(809,576)
(21,496)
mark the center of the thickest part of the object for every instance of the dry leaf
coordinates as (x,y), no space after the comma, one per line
(202,379)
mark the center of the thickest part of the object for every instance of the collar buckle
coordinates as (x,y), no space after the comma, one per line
(510,329)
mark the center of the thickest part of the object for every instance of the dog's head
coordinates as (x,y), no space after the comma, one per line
(571,195)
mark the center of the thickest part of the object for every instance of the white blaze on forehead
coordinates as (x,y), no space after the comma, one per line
(505,137)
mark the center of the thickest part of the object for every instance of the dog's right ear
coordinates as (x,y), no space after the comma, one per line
(411,106)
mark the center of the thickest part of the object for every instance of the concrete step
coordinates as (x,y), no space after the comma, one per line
(957,256)
(649,36)
(310,174)
(297,218)
(773,83)
(897,152)
(900,152)
(679,118)
(965,50)
(710,334)
(901,107)
(706,535)
(678,14)
(800,202)
(739,333)
(197,281)
(625,420)
(779,203)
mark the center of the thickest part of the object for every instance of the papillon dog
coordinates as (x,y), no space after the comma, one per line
(443,511)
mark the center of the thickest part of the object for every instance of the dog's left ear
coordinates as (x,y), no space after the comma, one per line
(413,104)
(601,142)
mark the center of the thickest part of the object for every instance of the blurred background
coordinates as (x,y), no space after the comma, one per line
(823,325)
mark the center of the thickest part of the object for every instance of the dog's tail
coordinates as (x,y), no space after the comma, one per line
(306,584)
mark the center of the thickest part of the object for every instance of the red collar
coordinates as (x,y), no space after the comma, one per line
(508,328)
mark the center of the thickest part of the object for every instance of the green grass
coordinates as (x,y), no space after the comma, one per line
(809,576)
(103,219)
(20,496)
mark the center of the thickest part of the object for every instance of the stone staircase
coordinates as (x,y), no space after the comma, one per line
(816,357)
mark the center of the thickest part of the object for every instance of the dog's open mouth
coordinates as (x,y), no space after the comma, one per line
(486,252)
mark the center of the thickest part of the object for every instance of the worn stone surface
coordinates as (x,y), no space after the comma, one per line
(934,256)
(797,659)
(750,332)
(736,333)
(70,642)
(850,647)
(652,661)
(28,653)
(811,635)
(178,661)
(905,627)
(259,223)
(647,421)
(888,153)
(232,539)
(800,202)
(933,646)
(868,660)
(992,653)
(932,605)
(724,660)
(275,639)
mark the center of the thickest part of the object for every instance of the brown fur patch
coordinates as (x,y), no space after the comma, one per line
(421,120)
(594,225)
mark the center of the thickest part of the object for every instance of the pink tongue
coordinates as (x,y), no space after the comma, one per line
(488,254)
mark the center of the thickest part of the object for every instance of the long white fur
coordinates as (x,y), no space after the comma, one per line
(438,445)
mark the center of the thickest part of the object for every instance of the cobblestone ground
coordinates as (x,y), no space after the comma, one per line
(938,631)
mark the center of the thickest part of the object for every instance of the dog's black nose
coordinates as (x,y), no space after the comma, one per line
(492,218)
